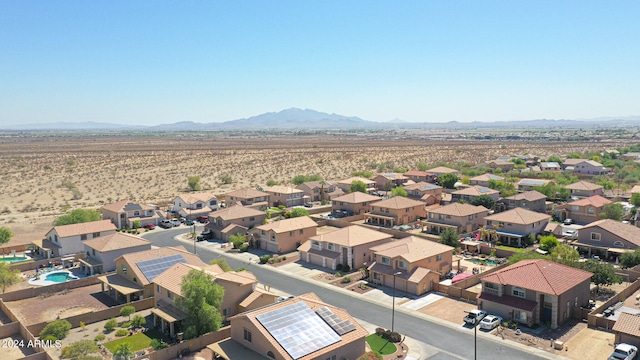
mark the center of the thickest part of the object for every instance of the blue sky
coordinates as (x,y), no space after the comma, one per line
(152,62)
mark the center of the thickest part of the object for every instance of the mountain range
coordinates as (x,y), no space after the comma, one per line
(307,119)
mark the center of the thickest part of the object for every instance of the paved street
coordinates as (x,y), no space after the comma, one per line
(442,340)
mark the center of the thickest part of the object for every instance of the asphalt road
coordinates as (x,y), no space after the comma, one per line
(444,342)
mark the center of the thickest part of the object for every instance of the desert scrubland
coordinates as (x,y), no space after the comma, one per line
(43,175)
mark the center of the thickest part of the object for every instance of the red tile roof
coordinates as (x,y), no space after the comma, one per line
(596,201)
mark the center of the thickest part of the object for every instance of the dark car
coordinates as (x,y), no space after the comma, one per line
(188,222)
(308,205)
(205,235)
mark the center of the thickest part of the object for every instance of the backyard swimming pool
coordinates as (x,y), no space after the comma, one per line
(53,278)
(11,259)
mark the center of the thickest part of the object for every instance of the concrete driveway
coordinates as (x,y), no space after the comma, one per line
(589,344)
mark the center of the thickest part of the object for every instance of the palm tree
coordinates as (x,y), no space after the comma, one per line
(123,352)
(322,184)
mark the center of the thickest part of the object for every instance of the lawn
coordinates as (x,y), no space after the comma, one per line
(515,249)
(380,345)
(138,342)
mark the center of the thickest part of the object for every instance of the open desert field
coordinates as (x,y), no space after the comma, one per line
(44,174)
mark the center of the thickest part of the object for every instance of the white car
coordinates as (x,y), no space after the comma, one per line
(571,234)
(490,322)
(624,352)
(474,316)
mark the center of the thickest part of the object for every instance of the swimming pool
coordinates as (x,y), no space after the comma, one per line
(14,259)
(486,262)
(54,277)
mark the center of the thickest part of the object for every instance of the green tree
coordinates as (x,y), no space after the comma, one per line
(222,262)
(158,344)
(5,235)
(137,224)
(123,352)
(422,166)
(548,242)
(79,349)
(237,240)
(271,182)
(201,299)
(554,158)
(630,259)
(612,211)
(358,185)
(58,329)
(484,200)
(527,255)
(603,272)
(78,216)
(226,179)
(565,254)
(388,185)
(138,322)
(194,183)
(127,310)
(450,237)
(8,276)
(635,200)
(447,181)
(299,179)
(398,191)
(298,212)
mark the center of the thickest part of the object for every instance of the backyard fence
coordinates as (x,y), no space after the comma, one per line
(43,290)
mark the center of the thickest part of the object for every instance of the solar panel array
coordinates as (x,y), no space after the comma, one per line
(484,190)
(152,268)
(340,326)
(298,329)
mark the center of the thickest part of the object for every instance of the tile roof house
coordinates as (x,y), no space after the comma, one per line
(472,192)
(395,211)
(391,179)
(284,236)
(418,176)
(247,197)
(101,253)
(485,179)
(68,239)
(345,184)
(136,271)
(192,205)
(301,328)
(627,329)
(234,220)
(465,218)
(607,238)
(346,246)
(354,203)
(536,292)
(583,211)
(504,165)
(512,226)
(123,213)
(584,189)
(531,184)
(550,166)
(320,190)
(441,170)
(426,192)
(531,200)
(585,167)
(285,195)
(419,262)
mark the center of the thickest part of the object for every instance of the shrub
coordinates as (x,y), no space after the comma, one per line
(122,332)
(138,321)
(395,337)
(244,247)
(57,329)
(49,338)
(346,268)
(264,258)
(379,331)
(346,280)
(339,267)
(338,274)
(110,325)
(157,344)
(126,324)
(99,337)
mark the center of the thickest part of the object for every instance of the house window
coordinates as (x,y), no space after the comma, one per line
(247,335)
(170,294)
(330,246)
(438,257)
(574,208)
(95,235)
(591,210)
(520,316)
(385,260)
(440,216)
(198,206)
(401,265)
(518,291)
(226,312)
(470,217)
(124,268)
(315,243)
(491,286)
(83,237)
(290,233)
(212,202)
(136,213)
(93,251)
(158,289)
(595,236)
(252,218)
(619,244)
(270,354)
(301,231)
(262,232)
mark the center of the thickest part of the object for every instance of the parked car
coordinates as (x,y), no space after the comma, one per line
(571,234)
(175,222)
(203,219)
(308,205)
(182,219)
(624,352)
(149,226)
(568,221)
(188,222)
(205,235)
(166,224)
(474,317)
(490,322)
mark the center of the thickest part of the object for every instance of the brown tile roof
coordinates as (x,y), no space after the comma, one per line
(398,202)
(628,324)
(171,279)
(255,295)
(417,173)
(443,170)
(539,275)
(351,236)
(91,227)
(313,302)
(422,186)
(487,177)
(133,258)
(476,191)
(392,176)
(414,276)
(237,212)
(192,198)
(572,162)
(116,241)
(627,232)
(246,193)
(595,201)
(458,209)
(287,225)
(241,278)
(411,249)
(528,195)
(281,189)
(583,185)
(125,205)
(635,189)
(519,216)
(356,198)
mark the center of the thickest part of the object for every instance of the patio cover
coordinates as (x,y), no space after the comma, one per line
(460,277)
(89,261)
(230,349)
(169,312)
(120,284)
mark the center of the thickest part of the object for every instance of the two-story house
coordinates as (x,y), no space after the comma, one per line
(320,190)
(234,220)
(607,238)
(503,165)
(124,213)
(420,176)
(346,246)
(512,226)
(441,170)
(426,192)
(472,192)
(550,166)
(354,203)
(68,239)
(345,184)
(101,253)
(285,195)
(395,211)
(585,167)
(536,292)
(417,264)
(485,179)
(388,181)
(284,236)
(584,189)
(531,200)
(192,205)
(247,197)
(465,218)
(582,211)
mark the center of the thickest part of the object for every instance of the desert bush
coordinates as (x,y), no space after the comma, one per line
(158,344)
(99,337)
(346,280)
(110,325)
(226,179)
(58,329)
(244,247)
(264,258)
(122,332)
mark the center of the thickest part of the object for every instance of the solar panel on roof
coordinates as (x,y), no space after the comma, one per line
(298,329)
(154,267)
(340,326)
(484,190)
